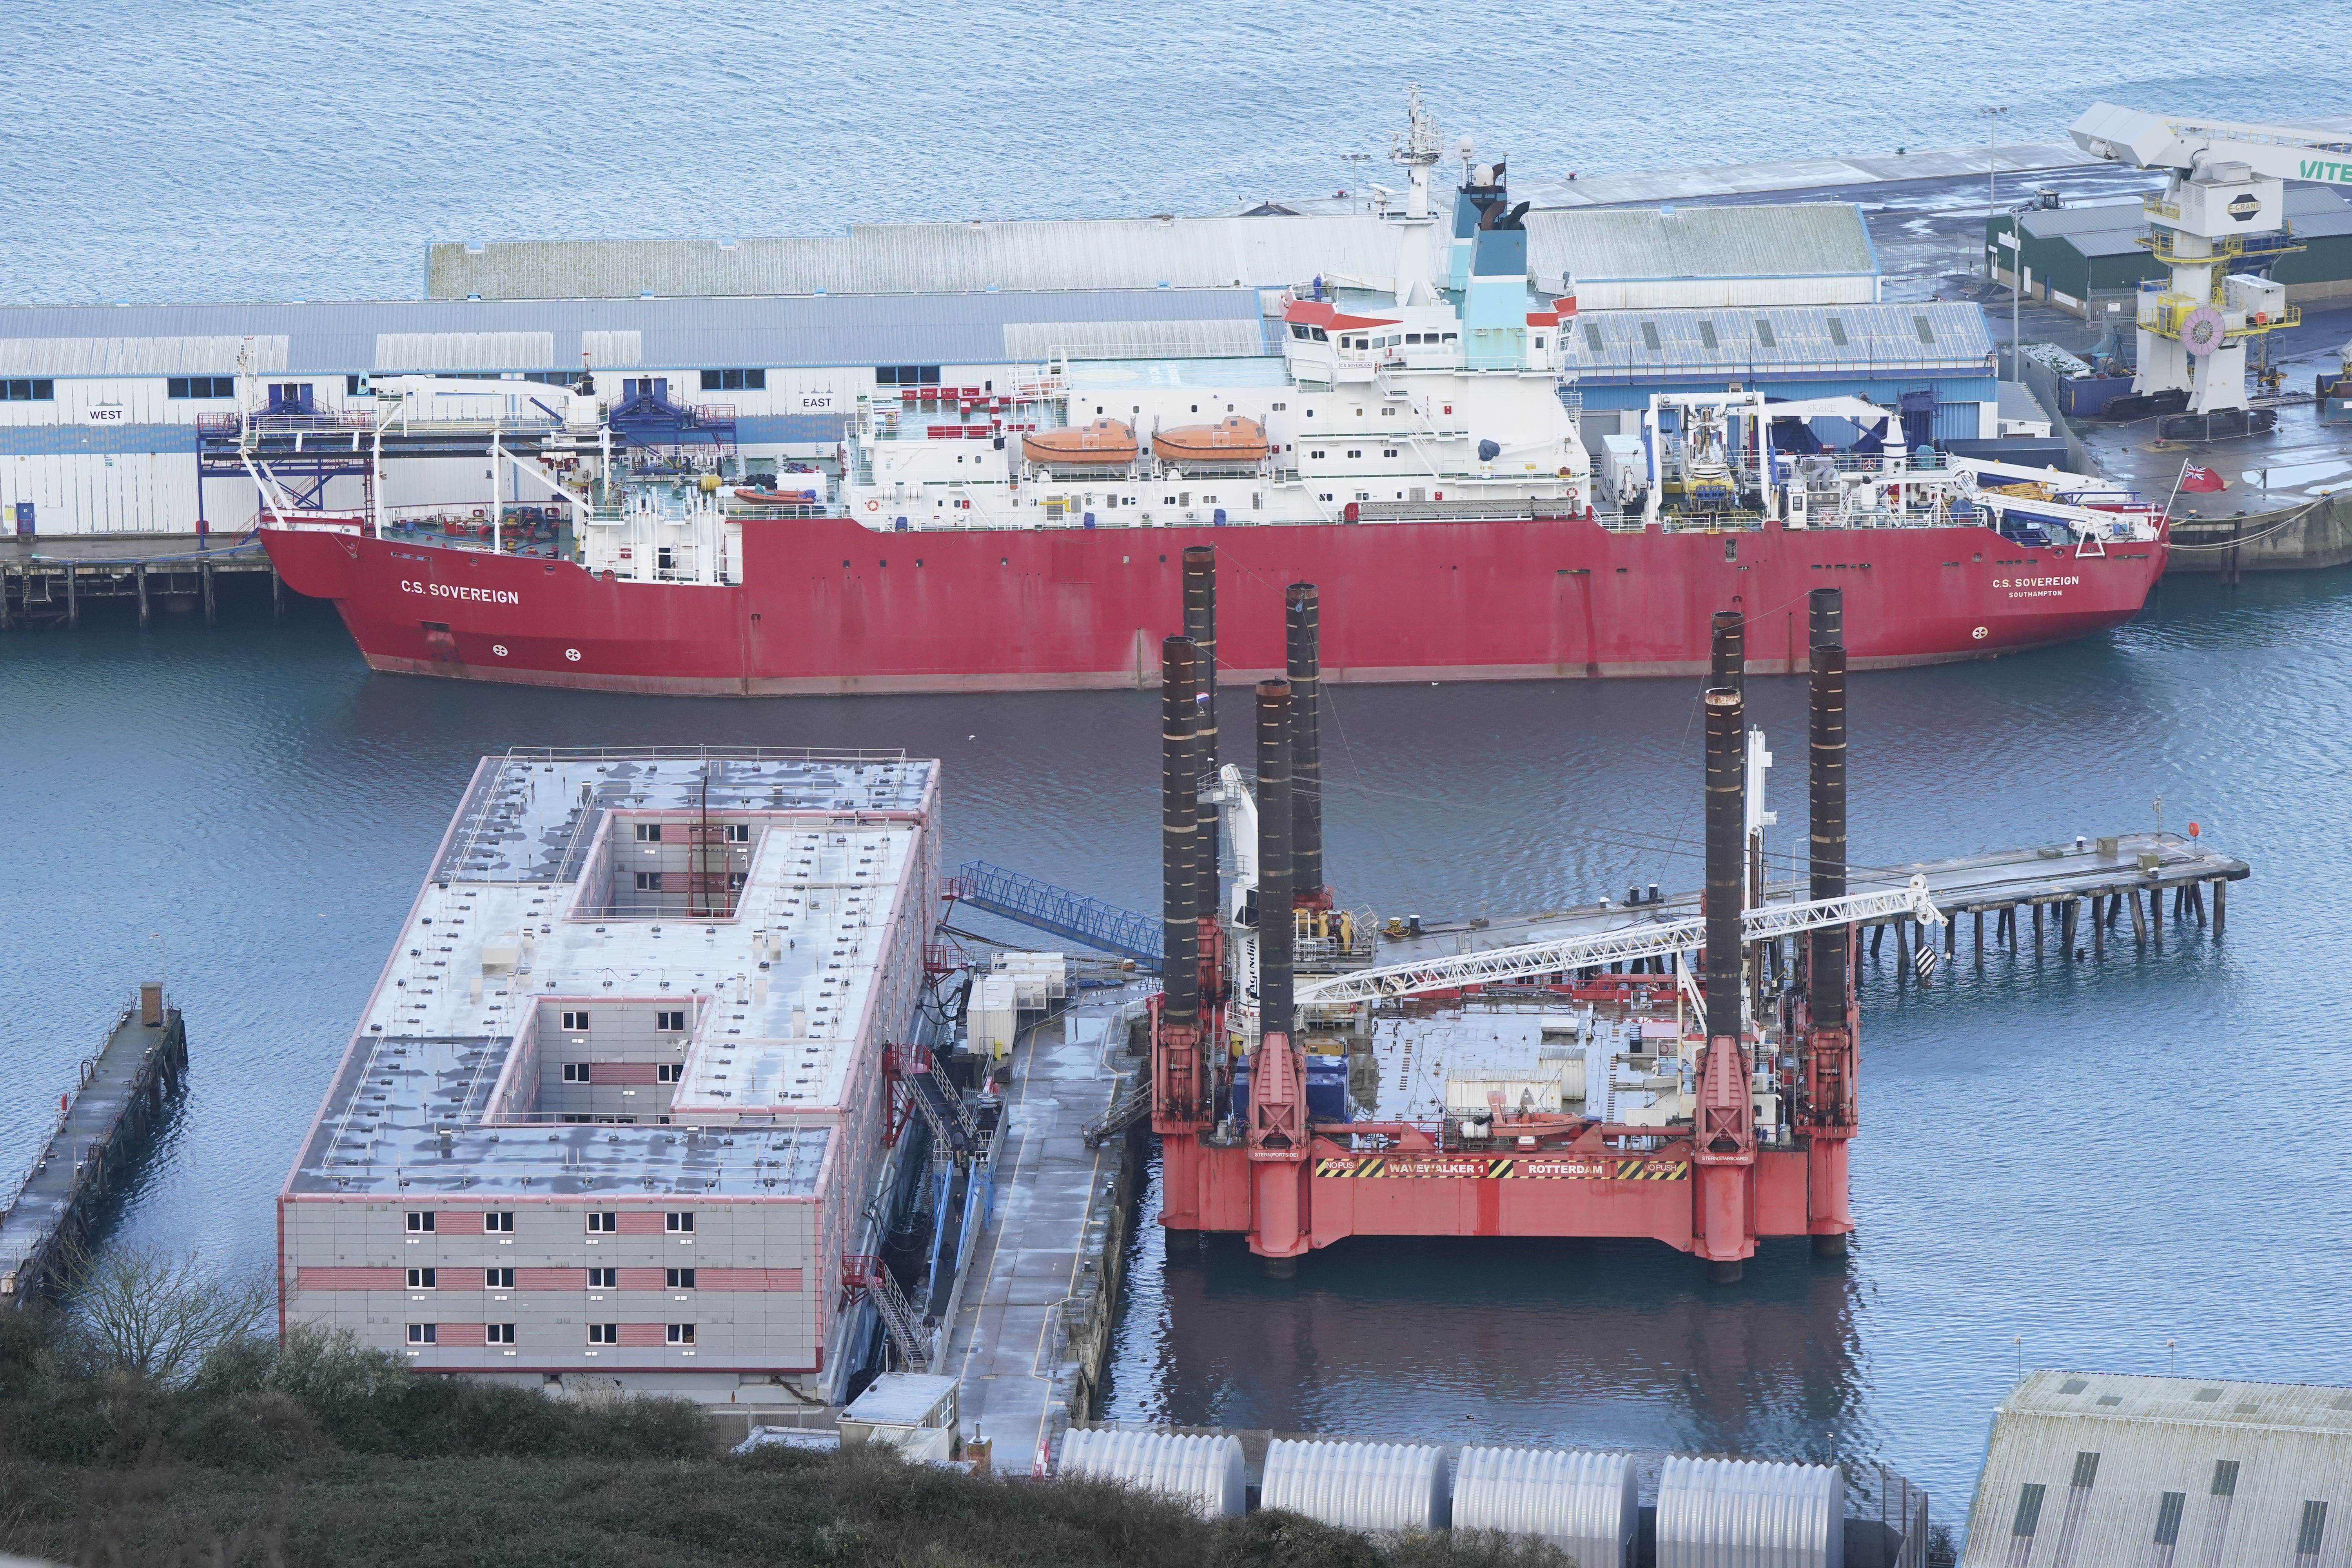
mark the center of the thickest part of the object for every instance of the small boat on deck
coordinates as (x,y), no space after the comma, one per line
(1234,439)
(1106,443)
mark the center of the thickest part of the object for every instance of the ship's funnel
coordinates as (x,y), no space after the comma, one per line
(1827,967)
(1729,660)
(1303,625)
(1275,920)
(1726,809)
(1180,967)
(1200,630)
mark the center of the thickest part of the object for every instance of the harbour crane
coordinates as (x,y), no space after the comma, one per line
(2224,204)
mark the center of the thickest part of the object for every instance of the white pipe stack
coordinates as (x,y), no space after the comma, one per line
(1359,1486)
(1202,1470)
(1584,1503)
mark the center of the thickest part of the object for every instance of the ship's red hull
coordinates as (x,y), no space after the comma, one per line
(827,606)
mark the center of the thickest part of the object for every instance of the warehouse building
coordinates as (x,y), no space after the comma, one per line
(615,1115)
(101,420)
(2084,259)
(1933,362)
(2091,1470)
(1814,253)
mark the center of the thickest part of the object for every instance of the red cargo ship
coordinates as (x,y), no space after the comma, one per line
(828,605)
(1414,455)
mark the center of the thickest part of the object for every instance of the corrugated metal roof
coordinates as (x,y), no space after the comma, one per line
(1359,1486)
(1204,1471)
(1808,239)
(812,330)
(172,356)
(2097,1470)
(1915,339)
(1740,1514)
(1584,1503)
(462,350)
(1762,241)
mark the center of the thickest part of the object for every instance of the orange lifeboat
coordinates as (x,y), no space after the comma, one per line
(1235,438)
(1106,443)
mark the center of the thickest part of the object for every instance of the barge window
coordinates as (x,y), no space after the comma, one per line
(604,1279)
(680,1333)
(27,391)
(673,1021)
(499,1219)
(421,1221)
(907,374)
(201,386)
(734,381)
(679,1278)
(498,1334)
(667,1072)
(497,1278)
(1926,331)
(1321,336)
(1707,333)
(1650,336)
(605,1223)
(677,1222)
(1837,331)
(649,881)
(1764,333)
(420,1279)
(576,1022)
(424,1333)
(1592,337)
(603,1333)
(1298,331)
(649,831)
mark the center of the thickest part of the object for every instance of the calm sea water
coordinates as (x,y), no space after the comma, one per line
(2095,1160)
(2099,1159)
(233,149)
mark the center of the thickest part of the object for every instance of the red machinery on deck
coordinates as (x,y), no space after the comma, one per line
(1748,1141)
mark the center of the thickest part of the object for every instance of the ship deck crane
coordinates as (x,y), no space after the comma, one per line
(2223,204)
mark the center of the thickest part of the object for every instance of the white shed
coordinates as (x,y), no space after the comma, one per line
(1584,1503)
(1741,1513)
(2092,1469)
(1359,1486)
(1205,1471)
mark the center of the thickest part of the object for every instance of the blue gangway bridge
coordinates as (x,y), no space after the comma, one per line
(1088,921)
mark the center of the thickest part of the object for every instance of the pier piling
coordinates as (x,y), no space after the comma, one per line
(104,1125)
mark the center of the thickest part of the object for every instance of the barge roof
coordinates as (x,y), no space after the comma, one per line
(527,904)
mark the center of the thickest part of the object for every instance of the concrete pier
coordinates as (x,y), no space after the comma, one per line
(1030,1334)
(103,1127)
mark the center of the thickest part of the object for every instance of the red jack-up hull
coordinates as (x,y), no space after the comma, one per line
(1291,1185)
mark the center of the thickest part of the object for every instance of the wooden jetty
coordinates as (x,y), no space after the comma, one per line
(44,582)
(103,1127)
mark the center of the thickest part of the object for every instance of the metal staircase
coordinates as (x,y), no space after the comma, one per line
(865,1273)
(1032,902)
(1123,1113)
(954,1130)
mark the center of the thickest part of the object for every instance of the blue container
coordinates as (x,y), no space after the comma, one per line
(1240,1091)
(1327,1089)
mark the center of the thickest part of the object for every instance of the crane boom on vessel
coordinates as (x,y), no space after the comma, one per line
(1586,950)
